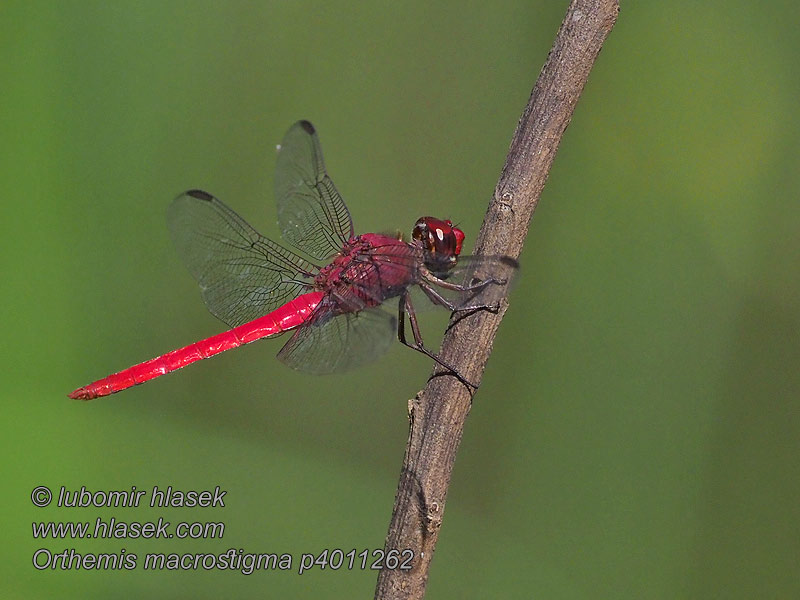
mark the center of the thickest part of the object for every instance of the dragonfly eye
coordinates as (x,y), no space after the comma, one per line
(458,235)
(440,240)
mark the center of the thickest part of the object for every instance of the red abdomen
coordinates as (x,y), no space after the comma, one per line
(289,316)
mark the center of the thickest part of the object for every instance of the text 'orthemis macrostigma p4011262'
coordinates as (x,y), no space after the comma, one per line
(334,298)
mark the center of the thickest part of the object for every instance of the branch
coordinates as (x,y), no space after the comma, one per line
(438,412)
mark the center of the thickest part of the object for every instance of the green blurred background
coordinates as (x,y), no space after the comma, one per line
(637,434)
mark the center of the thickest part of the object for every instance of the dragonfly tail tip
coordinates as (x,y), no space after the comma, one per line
(81,394)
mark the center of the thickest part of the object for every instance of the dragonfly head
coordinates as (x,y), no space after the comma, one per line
(441,241)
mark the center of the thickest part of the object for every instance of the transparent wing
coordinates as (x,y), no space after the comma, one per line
(332,343)
(242,275)
(311,213)
(499,271)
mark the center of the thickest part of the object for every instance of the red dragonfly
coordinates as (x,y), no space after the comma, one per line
(261,289)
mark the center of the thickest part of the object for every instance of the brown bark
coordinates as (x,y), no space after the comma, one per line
(438,412)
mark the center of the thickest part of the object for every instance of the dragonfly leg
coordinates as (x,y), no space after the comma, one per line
(401,320)
(437,298)
(448,285)
(406,308)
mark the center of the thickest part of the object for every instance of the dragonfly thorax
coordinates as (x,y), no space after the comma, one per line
(372,267)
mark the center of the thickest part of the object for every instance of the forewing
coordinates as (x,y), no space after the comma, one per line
(242,275)
(333,343)
(500,271)
(311,213)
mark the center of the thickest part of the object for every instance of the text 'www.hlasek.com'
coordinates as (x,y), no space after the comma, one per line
(231,559)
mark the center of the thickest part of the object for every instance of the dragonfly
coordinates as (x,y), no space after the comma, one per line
(331,293)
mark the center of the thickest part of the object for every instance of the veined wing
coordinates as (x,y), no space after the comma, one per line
(332,342)
(471,270)
(311,213)
(242,275)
